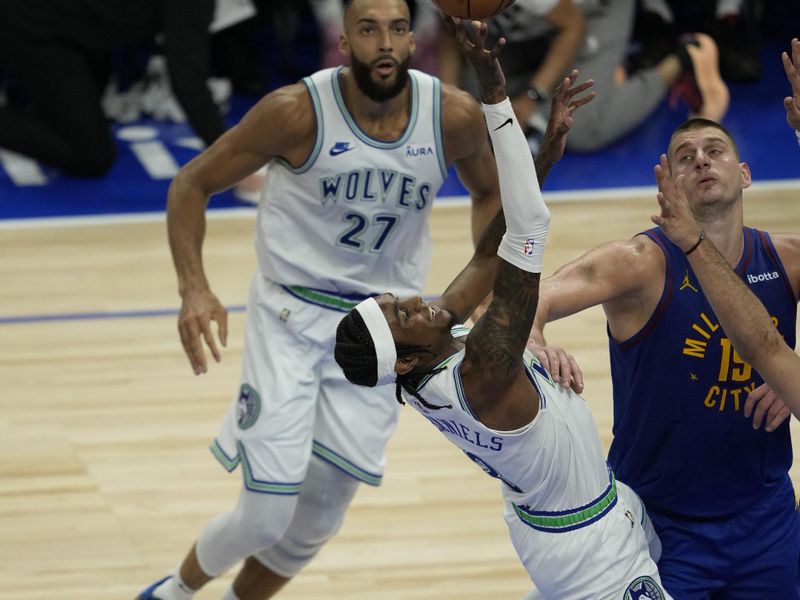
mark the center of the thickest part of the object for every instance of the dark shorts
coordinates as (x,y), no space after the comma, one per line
(752,556)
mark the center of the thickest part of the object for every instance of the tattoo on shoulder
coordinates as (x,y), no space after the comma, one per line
(500,337)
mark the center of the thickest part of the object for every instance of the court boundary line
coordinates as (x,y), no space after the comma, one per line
(442,202)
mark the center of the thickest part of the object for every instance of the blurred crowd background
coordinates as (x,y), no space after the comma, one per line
(76,74)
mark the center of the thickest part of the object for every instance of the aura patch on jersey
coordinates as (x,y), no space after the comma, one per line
(644,588)
(248,407)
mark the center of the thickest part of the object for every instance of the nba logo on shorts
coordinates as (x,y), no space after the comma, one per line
(644,588)
(248,407)
(527,247)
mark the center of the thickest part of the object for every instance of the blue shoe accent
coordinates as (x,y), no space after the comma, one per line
(148,593)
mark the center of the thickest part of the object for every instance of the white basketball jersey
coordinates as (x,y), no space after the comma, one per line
(353,219)
(555,463)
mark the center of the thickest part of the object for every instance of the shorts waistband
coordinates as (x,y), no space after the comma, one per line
(331,300)
(569,520)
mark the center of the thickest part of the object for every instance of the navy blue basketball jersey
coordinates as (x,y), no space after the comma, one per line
(681,440)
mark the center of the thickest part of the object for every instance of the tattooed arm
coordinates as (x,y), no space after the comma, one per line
(492,372)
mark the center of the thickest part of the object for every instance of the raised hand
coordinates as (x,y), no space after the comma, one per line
(471,39)
(194,326)
(792,68)
(565,102)
(676,219)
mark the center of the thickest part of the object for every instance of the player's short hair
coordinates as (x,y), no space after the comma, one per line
(355,351)
(701,123)
(348,3)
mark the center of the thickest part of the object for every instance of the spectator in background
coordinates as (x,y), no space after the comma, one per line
(548,37)
(734,24)
(57,51)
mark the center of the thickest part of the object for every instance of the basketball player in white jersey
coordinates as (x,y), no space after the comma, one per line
(356,157)
(579,532)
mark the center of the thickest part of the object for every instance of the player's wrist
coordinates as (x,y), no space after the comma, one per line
(701,236)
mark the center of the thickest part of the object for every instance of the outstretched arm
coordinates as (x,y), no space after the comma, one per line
(743,317)
(492,371)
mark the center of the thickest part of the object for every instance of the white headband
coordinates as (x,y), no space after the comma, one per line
(381,336)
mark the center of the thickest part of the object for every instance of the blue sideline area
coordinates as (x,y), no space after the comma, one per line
(756,119)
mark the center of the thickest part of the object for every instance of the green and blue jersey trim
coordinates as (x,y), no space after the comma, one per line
(250,482)
(339,302)
(228,462)
(314,94)
(569,520)
(341,463)
(357,131)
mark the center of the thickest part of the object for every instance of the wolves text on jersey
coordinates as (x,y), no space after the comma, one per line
(375,185)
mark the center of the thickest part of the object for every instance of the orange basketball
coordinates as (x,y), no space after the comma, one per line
(473,9)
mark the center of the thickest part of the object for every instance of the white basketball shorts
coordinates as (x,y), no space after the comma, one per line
(294,399)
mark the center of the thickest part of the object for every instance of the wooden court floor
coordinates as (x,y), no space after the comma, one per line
(105,476)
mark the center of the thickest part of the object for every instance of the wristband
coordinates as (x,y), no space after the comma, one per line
(697,243)
(537,94)
(797,135)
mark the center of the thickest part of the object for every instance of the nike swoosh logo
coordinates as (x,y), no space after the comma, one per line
(506,122)
(337,149)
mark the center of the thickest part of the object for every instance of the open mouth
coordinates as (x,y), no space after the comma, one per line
(385,67)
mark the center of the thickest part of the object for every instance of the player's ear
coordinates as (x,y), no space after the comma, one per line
(412,43)
(747,179)
(344,45)
(405,364)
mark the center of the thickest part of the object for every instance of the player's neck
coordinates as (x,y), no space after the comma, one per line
(726,233)
(455,345)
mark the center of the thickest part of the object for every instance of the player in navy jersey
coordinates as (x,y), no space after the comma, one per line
(716,488)
(741,314)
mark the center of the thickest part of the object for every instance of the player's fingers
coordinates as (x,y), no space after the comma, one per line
(578,102)
(192,345)
(761,408)
(577,375)
(542,356)
(208,336)
(501,42)
(790,69)
(574,90)
(753,398)
(775,419)
(222,326)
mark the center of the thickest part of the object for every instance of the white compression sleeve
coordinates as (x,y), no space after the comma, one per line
(527,217)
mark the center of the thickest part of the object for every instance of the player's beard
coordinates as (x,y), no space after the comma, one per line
(378,91)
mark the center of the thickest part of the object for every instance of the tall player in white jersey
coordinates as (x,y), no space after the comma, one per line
(578,531)
(356,157)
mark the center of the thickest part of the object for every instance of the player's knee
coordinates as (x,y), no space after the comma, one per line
(320,513)
(299,546)
(264,531)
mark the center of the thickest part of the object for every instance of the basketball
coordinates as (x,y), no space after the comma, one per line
(473,9)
